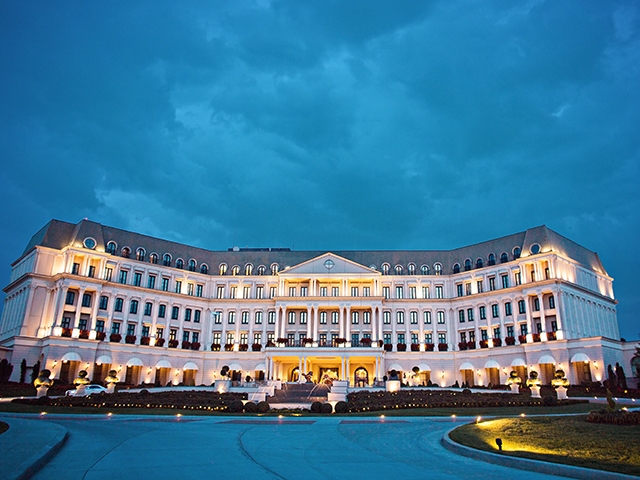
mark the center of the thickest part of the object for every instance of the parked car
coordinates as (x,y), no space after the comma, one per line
(88,390)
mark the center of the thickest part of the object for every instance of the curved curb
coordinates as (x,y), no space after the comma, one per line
(40,458)
(557,469)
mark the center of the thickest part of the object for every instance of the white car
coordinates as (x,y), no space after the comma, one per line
(88,390)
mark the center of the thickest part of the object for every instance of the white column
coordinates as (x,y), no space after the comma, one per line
(309,322)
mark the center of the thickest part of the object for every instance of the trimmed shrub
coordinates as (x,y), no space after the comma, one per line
(342,407)
(549,401)
(263,407)
(466,391)
(326,408)
(619,417)
(236,406)
(250,407)
(316,407)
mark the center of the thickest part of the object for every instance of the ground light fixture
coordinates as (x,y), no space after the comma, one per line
(499,443)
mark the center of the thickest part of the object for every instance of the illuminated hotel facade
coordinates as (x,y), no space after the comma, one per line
(93,297)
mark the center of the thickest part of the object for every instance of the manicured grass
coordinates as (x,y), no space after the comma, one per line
(3,427)
(568,440)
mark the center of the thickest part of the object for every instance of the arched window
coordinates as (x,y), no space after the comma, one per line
(385,268)
(153,258)
(479,263)
(516,253)
(424,269)
(373,266)
(111,248)
(204,269)
(126,252)
(492,259)
(274,268)
(235,270)
(223,268)
(261,270)
(180,263)
(411,268)
(248,269)
(192,265)
(166,260)
(504,258)
(437,267)
(467,265)
(140,253)
(399,269)
(456,268)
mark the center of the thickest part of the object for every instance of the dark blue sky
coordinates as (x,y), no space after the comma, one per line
(326,125)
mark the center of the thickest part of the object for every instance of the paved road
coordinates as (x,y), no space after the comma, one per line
(262,448)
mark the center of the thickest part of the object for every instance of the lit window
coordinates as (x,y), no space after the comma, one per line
(245,318)
(424,269)
(439,291)
(412,292)
(438,268)
(248,269)
(441,317)
(274,268)
(427,317)
(323,318)
(246,292)
(271,319)
(126,252)
(425,292)
(385,268)
(231,318)
(291,318)
(386,318)
(153,258)
(413,318)
(400,317)
(258,318)
(355,318)
(233,293)
(366,291)
(399,291)
(303,318)
(140,254)
(366,317)
(411,269)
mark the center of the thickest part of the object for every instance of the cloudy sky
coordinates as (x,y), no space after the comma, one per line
(326,124)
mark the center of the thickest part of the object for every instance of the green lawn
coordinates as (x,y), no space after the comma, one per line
(569,440)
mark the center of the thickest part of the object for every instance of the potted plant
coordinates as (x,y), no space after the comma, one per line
(160,342)
(307,342)
(115,337)
(443,347)
(380,343)
(365,342)
(536,337)
(173,343)
(270,343)
(144,340)
(401,347)
(522,339)
(243,347)
(228,347)
(510,340)
(415,347)
(551,335)
(66,332)
(282,342)
(471,345)
(462,345)
(256,347)
(388,347)
(195,345)
(215,347)
(130,339)
(497,342)
(100,336)
(429,347)
(84,334)
(484,344)
(340,341)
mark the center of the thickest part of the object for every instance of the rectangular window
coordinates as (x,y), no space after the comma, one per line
(304,291)
(505,281)
(385,292)
(260,292)
(151,281)
(100,326)
(199,289)
(554,326)
(244,319)
(82,325)
(71,298)
(190,289)
(494,310)
(92,271)
(234,292)
(271,337)
(399,291)
(271,318)
(187,314)
(175,312)
(518,278)
(272,292)
(244,338)
(178,286)
(400,317)
(536,304)
(196,316)
(335,291)
(461,316)
(217,318)
(441,317)
(292,291)
(522,306)
(195,336)
(467,287)
(246,292)
(470,314)
(323,291)
(257,337)
(480,286)
(131,329)
(115,327)
(123,276)
(355,339)
(145,330)
(137,279)
(335,318)
(387,338)
(232,318)
(75,269)
(413,318)
(401,339)
(552,302)
(322,340)
(414,339)
(185,336)
(425,292)
(442,337)
(412,292)
(355,318)
(217,337)
(104,302)
(147,308)
(366,291)
(86,300)
(507,309)
(427,317)
(428,338)
(118,305)
(165,284)
(291,318)
(386,318)
(483,334)
(492,283)
(172,334)
(510,331)
(162,311)
(439,291)
(108,274)
(66,322)
(463,337)
(220,291)
(354,291)
(496,332)
(323,318)
(523,329)
(483,312)
(459,289)
(258,317)
(366,317)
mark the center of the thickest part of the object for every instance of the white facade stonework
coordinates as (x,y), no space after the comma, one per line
(532,300)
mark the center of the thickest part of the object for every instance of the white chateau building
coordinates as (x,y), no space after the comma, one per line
(93,297)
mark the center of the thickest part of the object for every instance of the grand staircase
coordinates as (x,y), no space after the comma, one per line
(300,393)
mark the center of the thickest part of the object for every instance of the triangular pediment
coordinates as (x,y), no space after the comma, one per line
(330,264)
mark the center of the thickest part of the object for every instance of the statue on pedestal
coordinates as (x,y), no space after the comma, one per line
(111,381)
(534,383)
(43,382)
(514,381)
(560,383)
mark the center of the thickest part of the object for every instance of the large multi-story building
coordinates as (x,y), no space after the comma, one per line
(88,296)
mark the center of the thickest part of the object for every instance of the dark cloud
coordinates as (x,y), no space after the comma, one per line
(326,124)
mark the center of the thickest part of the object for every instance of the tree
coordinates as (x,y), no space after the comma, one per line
(35,371)
(23,370)
(6,369)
